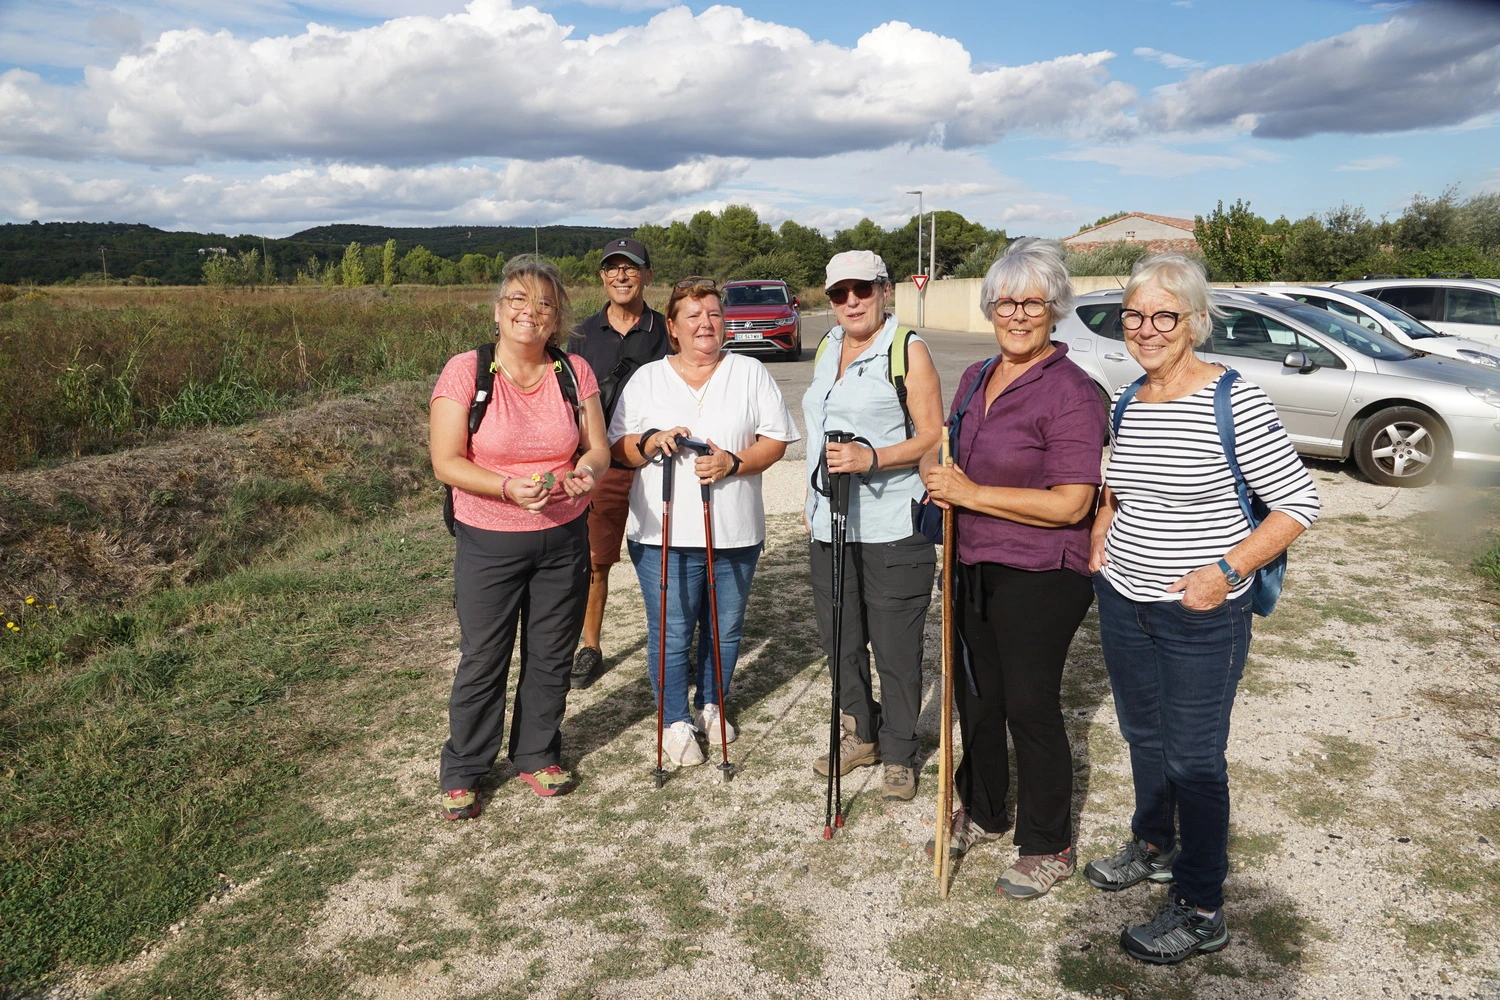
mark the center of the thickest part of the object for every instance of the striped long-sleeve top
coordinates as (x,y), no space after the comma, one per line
(1175,492)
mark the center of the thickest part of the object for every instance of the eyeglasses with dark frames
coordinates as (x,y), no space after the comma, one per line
(1034,308)
(697,281)
(625,270)
(839,294)
(1163,322)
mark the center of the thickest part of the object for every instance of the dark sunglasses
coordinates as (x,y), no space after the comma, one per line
(838,295)
(697,282)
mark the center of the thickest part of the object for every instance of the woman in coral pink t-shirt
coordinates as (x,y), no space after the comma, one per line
(520,492)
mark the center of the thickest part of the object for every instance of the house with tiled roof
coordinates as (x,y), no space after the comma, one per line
(1159,232)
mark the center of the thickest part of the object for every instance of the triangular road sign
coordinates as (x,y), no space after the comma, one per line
(920,280)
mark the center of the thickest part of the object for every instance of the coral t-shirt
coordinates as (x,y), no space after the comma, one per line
(522,433)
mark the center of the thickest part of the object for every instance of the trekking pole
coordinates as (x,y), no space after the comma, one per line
(726,769)
(838,506)
(668,463)
(945,726)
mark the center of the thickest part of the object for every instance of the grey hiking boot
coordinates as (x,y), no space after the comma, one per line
(1033,874)
(1132,864)
(853,751)
(1177,931)
(963,833)
(900,784)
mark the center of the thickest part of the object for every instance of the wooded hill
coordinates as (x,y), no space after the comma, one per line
(53,252)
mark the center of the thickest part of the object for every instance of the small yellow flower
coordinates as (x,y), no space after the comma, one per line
(31,600)
(52,607)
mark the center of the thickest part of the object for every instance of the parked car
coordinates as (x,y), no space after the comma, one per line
(1342,391)
(1382,317)
(1464,307)
(762,317)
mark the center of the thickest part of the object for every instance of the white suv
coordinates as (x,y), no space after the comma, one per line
(1384,318)
(1464,307)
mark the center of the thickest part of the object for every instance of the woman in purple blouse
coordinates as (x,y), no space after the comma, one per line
(1029,449)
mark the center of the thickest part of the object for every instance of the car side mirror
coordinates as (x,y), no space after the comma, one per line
(796,304)
(1300,361)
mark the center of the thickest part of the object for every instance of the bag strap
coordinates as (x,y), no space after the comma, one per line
(1121,403)
(896,366)
(955,422)
(484,385)
(1224,418)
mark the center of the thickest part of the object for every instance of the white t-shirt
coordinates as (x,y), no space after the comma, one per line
(738,403)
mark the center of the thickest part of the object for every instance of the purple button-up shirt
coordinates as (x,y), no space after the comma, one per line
(1046,429)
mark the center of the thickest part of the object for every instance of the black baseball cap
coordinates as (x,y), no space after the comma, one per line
(630,249)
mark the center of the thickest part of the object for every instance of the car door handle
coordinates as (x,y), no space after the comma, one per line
(1114,357)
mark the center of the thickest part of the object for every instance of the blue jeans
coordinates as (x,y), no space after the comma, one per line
(1174,672)
(688,612)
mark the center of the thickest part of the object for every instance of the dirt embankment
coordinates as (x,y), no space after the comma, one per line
(105,528)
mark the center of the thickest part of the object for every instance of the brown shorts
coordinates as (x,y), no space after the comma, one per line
(607,515)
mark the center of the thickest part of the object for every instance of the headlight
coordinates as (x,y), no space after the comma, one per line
(1490,396)
(1479,358)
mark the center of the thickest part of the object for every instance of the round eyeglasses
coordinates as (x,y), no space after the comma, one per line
(517,301)
(1163,322)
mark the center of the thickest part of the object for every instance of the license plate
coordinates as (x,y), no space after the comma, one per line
(749,336)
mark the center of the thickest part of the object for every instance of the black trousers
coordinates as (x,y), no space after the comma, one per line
(1016,627)
(539,579)
(887,588)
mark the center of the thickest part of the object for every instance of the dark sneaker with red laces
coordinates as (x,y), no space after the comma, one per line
(549,781)
(459,803)
(1177,931)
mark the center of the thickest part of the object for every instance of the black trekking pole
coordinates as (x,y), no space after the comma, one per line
(838,506)
(668,463)
(726,769)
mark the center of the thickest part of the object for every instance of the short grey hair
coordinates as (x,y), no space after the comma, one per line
(541,271)
(1185,280)
(1026,264)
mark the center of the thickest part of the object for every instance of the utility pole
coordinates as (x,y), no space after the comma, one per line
(932,251)
(536,236)
(103,263)
(920,296)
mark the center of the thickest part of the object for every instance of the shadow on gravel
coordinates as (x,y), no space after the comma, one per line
(1269,939)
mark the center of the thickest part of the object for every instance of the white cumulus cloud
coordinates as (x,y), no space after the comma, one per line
(503,80)
(1430,65)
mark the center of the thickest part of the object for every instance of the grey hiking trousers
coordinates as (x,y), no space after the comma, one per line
(539,579)
(887,588)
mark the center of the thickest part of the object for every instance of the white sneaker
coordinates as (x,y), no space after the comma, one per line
(681,744)
(708,724)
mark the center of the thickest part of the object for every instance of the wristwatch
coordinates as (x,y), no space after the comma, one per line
(1230,573)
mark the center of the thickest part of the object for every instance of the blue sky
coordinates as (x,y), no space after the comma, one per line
(262,116)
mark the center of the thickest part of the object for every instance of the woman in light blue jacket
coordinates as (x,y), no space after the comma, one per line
(888,563)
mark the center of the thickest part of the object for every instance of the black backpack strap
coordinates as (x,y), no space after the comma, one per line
(567,379)
(484,385)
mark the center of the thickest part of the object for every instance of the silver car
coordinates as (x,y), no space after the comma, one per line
(1341,391)
(1464,307)
(1382,317)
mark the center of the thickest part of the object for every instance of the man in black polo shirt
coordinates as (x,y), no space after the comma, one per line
(615,341)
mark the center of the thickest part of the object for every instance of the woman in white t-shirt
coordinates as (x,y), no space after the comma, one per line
(731,402)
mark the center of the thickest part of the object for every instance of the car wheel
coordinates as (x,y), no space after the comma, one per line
(795,354)
(1402,446)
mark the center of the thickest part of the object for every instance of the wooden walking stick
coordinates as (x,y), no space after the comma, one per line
(945,730)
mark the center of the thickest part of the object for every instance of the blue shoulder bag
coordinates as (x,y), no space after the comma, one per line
(1266,589)
(929,516)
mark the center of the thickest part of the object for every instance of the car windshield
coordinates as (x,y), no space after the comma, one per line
(755,295)
(1413,328)
(1350,334)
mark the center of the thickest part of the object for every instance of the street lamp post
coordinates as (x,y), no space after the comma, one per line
(920,296)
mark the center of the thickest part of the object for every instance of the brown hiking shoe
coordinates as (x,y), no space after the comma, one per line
(900,783)
(853,751)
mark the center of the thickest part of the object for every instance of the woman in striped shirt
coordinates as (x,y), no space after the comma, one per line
(1174,560)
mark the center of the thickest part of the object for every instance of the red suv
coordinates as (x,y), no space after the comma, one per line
(761,317)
